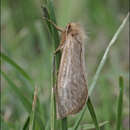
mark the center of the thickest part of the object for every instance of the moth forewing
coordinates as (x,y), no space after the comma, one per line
(71,89)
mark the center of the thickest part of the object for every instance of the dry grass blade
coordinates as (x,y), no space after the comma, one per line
(32,117)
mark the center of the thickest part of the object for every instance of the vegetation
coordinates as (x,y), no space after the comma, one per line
(28,67)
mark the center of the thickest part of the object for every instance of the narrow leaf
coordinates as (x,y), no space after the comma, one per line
(26,124)
(50,14)
(120,104)
(47,126)
(103,60)
(53,98)
(92,126)
(53,111)
(18,92)
(32,115)
(64,123)
(16,66)
(79,119)
(93,115)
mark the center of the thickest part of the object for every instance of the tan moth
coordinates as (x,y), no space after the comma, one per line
(71,90)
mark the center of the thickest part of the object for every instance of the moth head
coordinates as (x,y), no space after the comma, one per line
(75,29)
(72,28)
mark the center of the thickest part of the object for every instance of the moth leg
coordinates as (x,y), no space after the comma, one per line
(60,47)
(58,28)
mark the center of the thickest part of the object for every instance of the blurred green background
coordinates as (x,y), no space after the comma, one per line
(26,40)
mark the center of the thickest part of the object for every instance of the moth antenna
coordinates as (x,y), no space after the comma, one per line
(58,28)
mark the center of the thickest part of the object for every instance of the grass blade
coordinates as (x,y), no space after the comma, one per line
(32,116)
(51,15)
(47,126)
(26,124)
(53,99)
(102,62)
(90,126)
(92,86)
(53,18)
(56,40)
(26,103)
(93,115)
(64,124)
(53,111)
(11,62)
(120,104)
(79,119)
(18,92)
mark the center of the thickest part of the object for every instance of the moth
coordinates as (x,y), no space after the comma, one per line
(71,90)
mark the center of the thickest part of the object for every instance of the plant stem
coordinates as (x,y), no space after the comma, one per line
(64,123)
(51,16)
(120,104)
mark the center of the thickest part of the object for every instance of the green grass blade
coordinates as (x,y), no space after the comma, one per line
(79,119)
(26,103)
(90,126)
(53,101)
(16,66)
(26,124)
(93,115)
(51,15)
(53,111)
(26,86)
(39,124)
(56,40)
(64,124)
(47,126)
(53,18)
(94,81)
(120,104)
(41,113)
(32,115)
